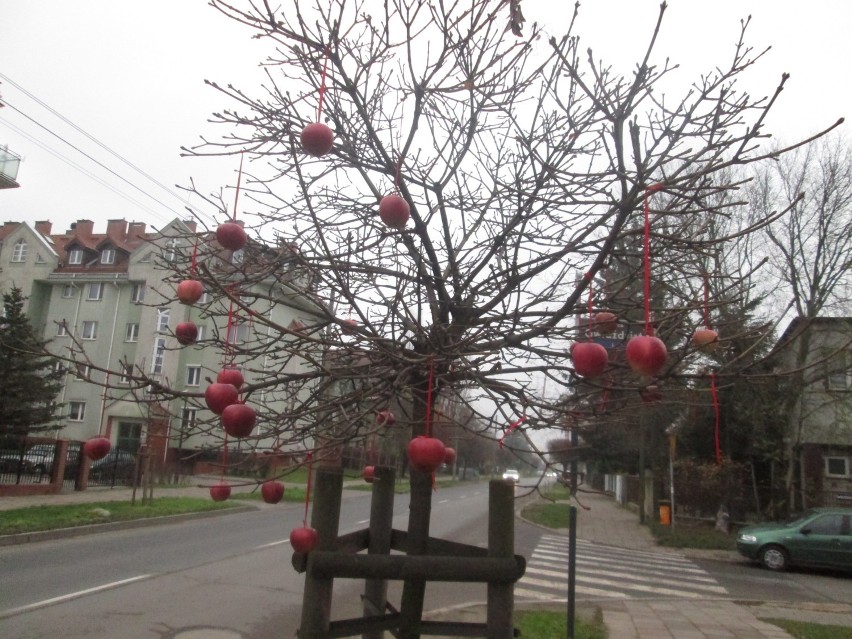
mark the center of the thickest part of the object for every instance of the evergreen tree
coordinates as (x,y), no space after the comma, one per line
(29,382)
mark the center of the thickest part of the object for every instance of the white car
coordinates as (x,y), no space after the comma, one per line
(512,475)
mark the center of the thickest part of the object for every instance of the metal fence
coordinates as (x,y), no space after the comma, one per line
(32,460)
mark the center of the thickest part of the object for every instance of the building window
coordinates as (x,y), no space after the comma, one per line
(96,292)
(19,254)
(84,372)
(108,256)
(162,320)
(238,256)
(131,333)
(193,375)
(62,329)
(126,373)
(68,291)
(188,418)
(75,256)
(205,298)
(77,411)
(39,259)
(90,330)
(837,466)
(170,252)
(137,293)
(238,334)
(202,333)
(159,355)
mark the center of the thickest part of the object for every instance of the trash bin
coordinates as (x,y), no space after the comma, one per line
(665,513)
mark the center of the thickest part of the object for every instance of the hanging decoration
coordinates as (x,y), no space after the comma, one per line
(426,453)
(222,490)
(590,358)
(317,139)
(272,491)
(96,448)
(186,333)
(189,291)
(511,428)
(393,209)
(646,353)
(706,339)
(304,539)
(231,235)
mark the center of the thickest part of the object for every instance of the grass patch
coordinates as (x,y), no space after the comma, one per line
(546,514)
(557,492)
(39,518)
(803,630)
(701,537)
(546,624)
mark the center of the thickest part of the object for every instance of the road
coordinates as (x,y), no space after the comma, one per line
(228,572)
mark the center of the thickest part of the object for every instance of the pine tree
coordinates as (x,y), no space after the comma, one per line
(27,378)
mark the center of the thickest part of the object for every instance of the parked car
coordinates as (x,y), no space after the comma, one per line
(118,464)
(512,475)
(821,537)
(38,459)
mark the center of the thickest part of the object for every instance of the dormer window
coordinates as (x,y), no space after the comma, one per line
(108,256)
(19,254)
(75,256)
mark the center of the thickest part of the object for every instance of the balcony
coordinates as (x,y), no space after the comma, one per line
(9,163)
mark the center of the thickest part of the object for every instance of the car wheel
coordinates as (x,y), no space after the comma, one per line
(774,558)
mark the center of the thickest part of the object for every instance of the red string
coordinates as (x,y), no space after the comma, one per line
(715,397)
(512,427)
(646,250)
(229,338)
(707,301)
(237,194)
(308,490)
(224,459)
(322,86)
(591,307)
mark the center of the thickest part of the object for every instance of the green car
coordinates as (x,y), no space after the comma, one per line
(820,538)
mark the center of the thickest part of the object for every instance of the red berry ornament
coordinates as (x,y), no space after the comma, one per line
(646,354)
(96,448)
(220,492)
(449,455)
(425,453)
(186,333)
(605,323)
(385,418)
(272,491)
(303,539)
(349,326)
(317,139)
(231,236)
(220,396)
(231,376)
(238,420)
(705,339)
(369,474)
(590,359)
(190,291)
(394,211)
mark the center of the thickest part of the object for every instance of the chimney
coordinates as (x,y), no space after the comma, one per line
(117,230)
(83,228)
(44,227)
(136,231)
(190,224)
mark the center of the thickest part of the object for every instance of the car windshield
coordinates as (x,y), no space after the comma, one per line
(800,518)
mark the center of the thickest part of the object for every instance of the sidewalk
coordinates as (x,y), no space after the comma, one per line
(600,520)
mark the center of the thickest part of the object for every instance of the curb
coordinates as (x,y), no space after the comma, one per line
(92,529)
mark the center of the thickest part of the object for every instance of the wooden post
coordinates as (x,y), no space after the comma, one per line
(501,544)
(414,590)
(325,519)
(381,525)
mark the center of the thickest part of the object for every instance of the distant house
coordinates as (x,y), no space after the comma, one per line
(819,431)
(102,300)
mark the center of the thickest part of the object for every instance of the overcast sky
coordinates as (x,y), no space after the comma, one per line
(131,75)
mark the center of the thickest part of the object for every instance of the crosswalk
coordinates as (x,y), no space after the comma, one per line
(609,572)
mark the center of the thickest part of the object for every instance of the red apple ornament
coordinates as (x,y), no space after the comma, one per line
(220,396)
(705,339)
(449,455)
(96,448)
(190,291)
(605,323)
(385,418)
(317,139)
(186,333)
(394,211)
(590,359)
(369,474)
(272,491)
(303,539)
(349,326)
(425,453)
(231,236)
(231,376)
(220,492)
(238,420)
(646,354)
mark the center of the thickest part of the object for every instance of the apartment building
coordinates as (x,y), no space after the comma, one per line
(106,302)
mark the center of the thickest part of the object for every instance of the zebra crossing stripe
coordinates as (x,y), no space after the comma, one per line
(622,579)
(621,570)
(644,569)
(579,590)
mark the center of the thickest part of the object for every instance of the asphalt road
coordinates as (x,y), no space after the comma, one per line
(230,572)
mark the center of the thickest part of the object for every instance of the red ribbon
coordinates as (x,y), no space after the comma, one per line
(237,194)
(308,490)
(512,427)
(646,252)
(715,397)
